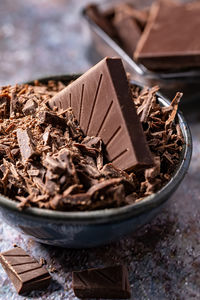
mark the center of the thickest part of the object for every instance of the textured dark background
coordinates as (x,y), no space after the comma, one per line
(47,37)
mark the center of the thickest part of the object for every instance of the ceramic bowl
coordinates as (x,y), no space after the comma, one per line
(94,228)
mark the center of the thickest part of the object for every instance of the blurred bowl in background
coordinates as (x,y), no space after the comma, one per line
(102,45)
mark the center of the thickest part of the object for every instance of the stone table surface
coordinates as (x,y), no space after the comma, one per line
(42,37)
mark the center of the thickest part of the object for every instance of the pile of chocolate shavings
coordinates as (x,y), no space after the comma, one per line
(163,135)
(47,162)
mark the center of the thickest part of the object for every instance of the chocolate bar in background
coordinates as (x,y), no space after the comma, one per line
(123,23)
(24,271)
(171,39)
(111,282)
(101,102)
(128,31)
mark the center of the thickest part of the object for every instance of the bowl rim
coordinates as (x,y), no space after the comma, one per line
(112,214)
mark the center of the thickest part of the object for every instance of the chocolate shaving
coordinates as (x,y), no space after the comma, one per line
(174,105)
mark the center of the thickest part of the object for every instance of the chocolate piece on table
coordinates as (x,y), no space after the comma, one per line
(128,31)
(25,141)
(98,18)
(170,39)
(110,282)
(102,103)
(25,272)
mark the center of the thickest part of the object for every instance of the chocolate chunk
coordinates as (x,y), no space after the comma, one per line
(87,150)
(94,142)
(30,107)
(60,162)
(25,141)
(72,202)
(102,104)
(47,118)
(4,105)
(110,282)
(25,272)
(15,104)
(46,136)
(170,39)
(128,31)
(102,186)
(73,125)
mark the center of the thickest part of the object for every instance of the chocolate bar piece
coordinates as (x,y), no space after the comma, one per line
(49,118)
(128,31)
(25,141)
(101,102)
(170,40)
(25,272)
(110,282)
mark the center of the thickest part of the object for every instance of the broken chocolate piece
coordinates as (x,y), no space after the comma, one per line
(30,107)
(101,102)
(4,105)
(25,141)
(72,202)
(15,105)
(25,272)
(103,185)
(50,118)
(106,283)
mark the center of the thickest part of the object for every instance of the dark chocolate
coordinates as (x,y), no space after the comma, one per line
(25,272)
(30,107)
(47,118)
(25,141)
(110,282)
(170,40)
(101,102)
(15,105)
(4,105)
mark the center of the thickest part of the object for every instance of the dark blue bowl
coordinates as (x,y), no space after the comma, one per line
(94,228)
